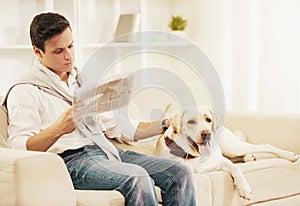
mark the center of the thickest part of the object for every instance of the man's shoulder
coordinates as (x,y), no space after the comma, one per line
(17,90)
(23,91)
(23,87)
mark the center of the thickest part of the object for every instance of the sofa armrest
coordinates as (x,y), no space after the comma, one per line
(282,131)
(34,178)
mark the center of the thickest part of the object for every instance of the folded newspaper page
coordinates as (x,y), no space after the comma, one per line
(107,96)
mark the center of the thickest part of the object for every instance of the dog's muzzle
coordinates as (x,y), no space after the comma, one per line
(205,135)
(203,146)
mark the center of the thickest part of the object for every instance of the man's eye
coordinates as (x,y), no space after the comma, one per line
(58,51)
(192,121)
(71,46)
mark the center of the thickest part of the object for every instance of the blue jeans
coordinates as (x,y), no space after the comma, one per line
(134,177)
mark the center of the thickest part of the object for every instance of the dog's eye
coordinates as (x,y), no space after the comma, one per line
(192,121)
(208,119)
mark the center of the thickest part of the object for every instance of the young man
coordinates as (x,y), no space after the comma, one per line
(41,119)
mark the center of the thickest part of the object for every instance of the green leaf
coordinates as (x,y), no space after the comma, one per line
(177,23)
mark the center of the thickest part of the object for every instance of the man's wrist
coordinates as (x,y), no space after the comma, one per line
(164,125)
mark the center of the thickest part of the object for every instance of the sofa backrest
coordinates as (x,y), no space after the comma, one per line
(3,127)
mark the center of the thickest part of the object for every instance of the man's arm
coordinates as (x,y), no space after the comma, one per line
(149,129)
(24,107)
(47,137)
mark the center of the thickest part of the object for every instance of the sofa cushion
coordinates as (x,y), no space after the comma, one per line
(105,197)
(290,201)
(94,198)
(34,178)
(3,128)
(271,179)
(221,190)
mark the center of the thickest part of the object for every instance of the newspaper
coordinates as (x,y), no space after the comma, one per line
(107,96)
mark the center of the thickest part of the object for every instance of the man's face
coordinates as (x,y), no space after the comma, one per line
(59,53)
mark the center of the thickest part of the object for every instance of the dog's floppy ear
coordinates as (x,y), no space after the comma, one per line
(175,121)
(215,122)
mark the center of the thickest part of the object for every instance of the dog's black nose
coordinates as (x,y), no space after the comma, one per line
(205,134)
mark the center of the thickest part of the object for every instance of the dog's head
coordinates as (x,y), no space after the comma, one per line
(190,132)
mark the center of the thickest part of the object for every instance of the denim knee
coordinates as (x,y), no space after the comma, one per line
(179,187)
(183,171)
(138,189)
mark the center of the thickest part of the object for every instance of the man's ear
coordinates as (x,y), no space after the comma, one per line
(38,52)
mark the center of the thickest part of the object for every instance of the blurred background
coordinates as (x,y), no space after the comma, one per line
(253,45)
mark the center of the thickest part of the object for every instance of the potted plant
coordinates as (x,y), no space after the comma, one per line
(177,23)
(177,26)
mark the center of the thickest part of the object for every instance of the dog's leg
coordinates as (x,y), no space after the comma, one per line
(231,147)
(238,178)
(267,148)
(217,162)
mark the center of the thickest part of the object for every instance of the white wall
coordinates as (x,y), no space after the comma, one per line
(252,44)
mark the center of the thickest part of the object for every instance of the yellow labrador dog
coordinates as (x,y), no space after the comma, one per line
(190,137)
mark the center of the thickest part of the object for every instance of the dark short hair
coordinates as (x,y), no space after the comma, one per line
(44,26)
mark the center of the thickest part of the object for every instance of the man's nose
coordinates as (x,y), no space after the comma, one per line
(68,55)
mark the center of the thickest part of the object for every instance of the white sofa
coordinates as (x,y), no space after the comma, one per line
(36,178)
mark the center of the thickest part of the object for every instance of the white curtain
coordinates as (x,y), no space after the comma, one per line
(259,54)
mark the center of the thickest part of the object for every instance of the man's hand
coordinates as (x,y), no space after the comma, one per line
(67,121)
(63,125)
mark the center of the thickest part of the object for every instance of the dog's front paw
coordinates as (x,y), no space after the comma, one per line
(244,189)
(245,193)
